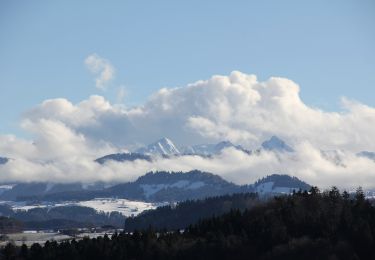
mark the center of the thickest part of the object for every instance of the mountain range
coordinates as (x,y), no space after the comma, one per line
(163,186)
(55,205)
(159,186)
(276,144)
(166,148)
(163,146)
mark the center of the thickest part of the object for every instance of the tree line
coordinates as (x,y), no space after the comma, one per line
(183,214)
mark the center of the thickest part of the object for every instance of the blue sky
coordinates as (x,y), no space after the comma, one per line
(327,47)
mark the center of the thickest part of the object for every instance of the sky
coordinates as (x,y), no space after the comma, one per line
(80,80)
(324,46)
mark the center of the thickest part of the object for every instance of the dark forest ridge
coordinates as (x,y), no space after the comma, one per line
(154,187)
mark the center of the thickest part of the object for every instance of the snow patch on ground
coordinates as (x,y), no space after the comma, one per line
(22,205)
(124,206)
(107,205)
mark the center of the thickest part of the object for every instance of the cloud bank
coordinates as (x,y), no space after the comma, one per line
(238,108)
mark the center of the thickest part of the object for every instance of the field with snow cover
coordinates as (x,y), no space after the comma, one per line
(123,206)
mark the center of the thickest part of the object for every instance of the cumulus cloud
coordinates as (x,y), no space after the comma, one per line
(239,108)
(101,68)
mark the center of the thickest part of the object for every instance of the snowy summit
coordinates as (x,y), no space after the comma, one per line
(163,146)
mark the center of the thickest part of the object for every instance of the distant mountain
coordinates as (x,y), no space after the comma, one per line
(156,187)
(46,205)
(370,155)
(153,187)
(276,144)
(199,149)
(3,160)
(211,149)
(166,148)
(163,146)
(123,157)
(183,214)
(279,184)
(175,186)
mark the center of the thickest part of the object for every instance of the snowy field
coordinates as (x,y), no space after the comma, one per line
(124,206)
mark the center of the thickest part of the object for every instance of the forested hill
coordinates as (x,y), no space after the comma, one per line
(183,214)
(304,225)
(158,186)
(188,212)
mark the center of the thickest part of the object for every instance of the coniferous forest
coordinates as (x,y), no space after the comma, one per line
(305,225)
(173,217)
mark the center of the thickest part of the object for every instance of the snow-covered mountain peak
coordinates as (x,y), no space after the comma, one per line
(167,142)
(163,146)
(276,144)
(279,183)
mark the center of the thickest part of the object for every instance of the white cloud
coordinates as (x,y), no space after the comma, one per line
(67,137)
(102,68)
(236,108)
(307,164)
